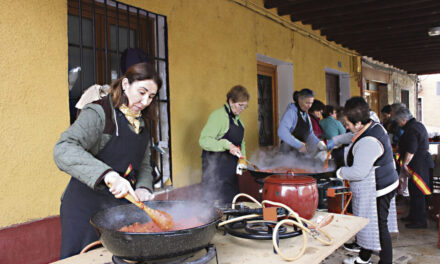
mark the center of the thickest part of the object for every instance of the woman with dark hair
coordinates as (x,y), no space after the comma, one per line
(295,130)
(370,169)
(107,145)
(222,141)
(330,125)
(315,113)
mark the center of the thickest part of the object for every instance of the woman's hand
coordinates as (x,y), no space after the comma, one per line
(303,149)
(144,194)
(119,186)
(235,151)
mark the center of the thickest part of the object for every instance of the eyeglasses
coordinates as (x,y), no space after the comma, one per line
(242,106)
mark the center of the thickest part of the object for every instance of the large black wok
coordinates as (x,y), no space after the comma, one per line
(150,246)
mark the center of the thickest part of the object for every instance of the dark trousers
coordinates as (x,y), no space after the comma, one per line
(386,252)
(383,207)
(417,204)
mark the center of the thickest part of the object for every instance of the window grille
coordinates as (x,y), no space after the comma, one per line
(98,32)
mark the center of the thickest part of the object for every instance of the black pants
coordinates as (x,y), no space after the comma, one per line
(417,204)
(386,252)
(219,180)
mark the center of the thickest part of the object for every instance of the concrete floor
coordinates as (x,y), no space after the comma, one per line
(410,246)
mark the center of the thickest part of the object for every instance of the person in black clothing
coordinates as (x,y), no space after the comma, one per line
(393,128)
(223,145)
(295,129)
(415,162)
(386,117)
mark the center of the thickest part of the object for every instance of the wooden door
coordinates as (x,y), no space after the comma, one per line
(332,89)
(267,104)
(372,98)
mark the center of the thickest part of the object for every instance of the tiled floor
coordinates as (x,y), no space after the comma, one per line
(410,246)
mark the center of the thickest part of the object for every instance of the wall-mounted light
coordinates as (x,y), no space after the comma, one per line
(434,31)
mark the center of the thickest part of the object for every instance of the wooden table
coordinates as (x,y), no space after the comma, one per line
(236,250)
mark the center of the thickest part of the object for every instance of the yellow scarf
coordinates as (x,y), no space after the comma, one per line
(133,118)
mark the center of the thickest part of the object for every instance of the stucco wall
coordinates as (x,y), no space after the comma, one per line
(212,46)
(33,107)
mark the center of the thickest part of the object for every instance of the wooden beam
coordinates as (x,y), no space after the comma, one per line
(413,60)
(281,3)
(374,25)
(420,68)
(386,18)
(404,50)
(386,31)
(381,40)
(317,5)
(427,71)
(356,6)
(345,15)
(395,44)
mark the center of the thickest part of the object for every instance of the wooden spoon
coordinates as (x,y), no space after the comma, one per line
(326,160)
(161,218)
(252,164)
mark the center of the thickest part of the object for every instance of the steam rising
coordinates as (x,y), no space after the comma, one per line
(271,158)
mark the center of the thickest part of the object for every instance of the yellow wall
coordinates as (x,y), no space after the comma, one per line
(33,107)
(212,46)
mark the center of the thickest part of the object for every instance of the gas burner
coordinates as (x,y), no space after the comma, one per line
(259,229)
(263,228)
(191,258)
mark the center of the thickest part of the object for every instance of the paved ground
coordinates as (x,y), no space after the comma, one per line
(410,246)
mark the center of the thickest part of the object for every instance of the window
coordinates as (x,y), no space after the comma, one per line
(98,32)
(404,96)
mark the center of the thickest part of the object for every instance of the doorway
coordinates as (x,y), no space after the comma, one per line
(267,104)
(332,89)
(372,96)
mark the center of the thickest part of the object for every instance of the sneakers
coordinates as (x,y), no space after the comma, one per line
(356,260)
(352,247)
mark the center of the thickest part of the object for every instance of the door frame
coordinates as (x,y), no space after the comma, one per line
(271,71)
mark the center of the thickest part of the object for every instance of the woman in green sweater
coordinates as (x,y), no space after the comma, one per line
(222,141)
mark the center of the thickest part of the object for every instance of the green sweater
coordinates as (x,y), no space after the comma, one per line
(216,127)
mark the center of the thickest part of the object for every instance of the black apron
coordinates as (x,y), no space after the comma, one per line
(80,202)
(219,179)
(301,131)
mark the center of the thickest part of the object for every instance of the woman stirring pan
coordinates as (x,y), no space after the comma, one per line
(107,144)
(295,130)
(222,141)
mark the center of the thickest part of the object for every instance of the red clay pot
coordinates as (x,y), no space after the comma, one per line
(298,192)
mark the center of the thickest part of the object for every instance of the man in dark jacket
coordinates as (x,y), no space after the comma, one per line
(415,162)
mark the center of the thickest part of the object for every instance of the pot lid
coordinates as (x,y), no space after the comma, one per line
(288,179)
